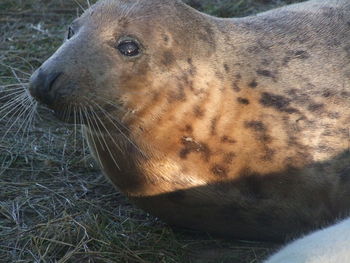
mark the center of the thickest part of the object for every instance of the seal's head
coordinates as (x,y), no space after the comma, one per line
(119,56)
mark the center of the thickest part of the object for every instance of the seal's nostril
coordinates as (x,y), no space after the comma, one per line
(41,85)
(50,80)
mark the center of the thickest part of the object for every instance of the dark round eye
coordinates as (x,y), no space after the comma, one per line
(70,32)
(129,48)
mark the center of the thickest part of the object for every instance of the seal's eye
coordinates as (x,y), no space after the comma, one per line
(129,48)
(70,32)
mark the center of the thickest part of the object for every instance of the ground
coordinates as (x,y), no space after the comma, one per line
(55,206)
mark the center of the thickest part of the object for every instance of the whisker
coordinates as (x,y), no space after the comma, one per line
(24,60)
(113,140)
(5,88)
(93,139)
(139,18)
(107,131)
(91,120)
(110,118)
(82,133)
(10,108)
(14,69)
(117,107)
(30,123)
(26,123)
(79,5)
(75,128)
(18,105)
(69,112)
(20,114)
(15,93)
(128,12)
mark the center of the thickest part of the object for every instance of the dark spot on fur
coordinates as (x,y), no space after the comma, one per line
(316,107)
(324,149)
(243,101)
(235,84)
(260,129)
(188,128)
(278,102)
(226,139)
(155,97)
(298,96)
(327,132)
(301,39)
(345,132)
(301,54)
(266,62)
(286,60)
(168,58)
(188,82)
(198,112)
(219,171)
(253,84)
(213,124)
(165,38)
(229,157)
(226,67)
(345,94)
(266,73)
(235,87)
(207,37)
(219,75)
(268,155)
(327,93)
(334,115)
(193,70)
(329,11)
(178,95)
(257,126)
(192,146)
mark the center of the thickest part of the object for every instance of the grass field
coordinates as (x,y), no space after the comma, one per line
(55,206)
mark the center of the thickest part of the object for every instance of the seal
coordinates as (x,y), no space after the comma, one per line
(238,127)
(329,245)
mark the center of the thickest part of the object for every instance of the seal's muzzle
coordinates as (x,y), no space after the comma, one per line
(41,84)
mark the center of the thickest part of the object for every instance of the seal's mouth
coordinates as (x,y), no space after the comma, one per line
(72,104)
(97,120)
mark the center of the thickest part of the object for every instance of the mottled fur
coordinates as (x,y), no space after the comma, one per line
(238,127)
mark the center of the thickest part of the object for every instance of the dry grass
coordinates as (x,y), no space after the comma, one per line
(55,206)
